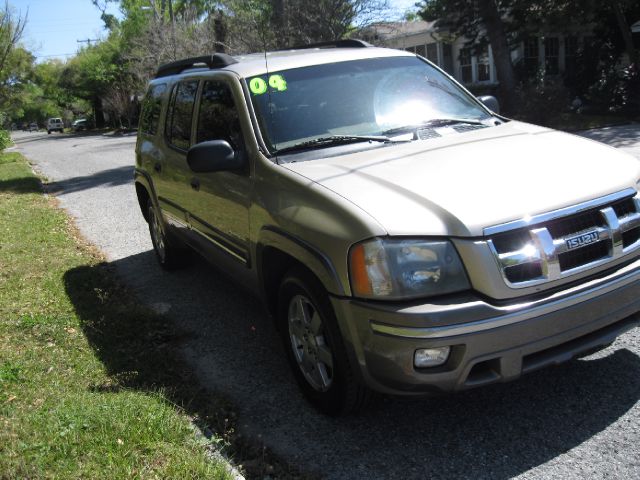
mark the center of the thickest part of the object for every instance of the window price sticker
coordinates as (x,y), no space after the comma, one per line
(259,85)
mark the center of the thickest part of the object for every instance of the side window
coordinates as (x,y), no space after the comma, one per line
(218,117)
(169,118)
(181,108)
(151,107)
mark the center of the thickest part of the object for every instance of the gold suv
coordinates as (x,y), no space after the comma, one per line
(406,238)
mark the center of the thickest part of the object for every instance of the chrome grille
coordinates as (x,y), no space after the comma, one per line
(556,248)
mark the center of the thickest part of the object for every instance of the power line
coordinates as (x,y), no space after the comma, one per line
(54,55)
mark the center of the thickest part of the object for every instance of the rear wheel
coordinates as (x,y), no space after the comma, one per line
(169,256)
(315,347)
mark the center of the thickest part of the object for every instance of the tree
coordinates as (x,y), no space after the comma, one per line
(118,101)
(14,60)
(300,22)
(505,23)
(476,21)
(91,73)
(152,32)
(618,7)
(11,30)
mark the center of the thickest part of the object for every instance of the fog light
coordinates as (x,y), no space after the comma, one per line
(431,357)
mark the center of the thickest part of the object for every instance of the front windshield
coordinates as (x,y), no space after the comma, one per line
(361,98)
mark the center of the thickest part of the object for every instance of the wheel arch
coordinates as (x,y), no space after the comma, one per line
(144,191)
(278,252)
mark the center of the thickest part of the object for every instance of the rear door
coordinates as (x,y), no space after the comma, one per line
(149,153)
(173,174)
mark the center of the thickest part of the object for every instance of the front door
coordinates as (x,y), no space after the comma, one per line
(219,201)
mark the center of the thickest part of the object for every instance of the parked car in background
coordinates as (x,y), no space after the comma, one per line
(80,124)
(33,127)
(405,237)
(55,125)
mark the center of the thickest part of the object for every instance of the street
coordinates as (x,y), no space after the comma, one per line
(578,420)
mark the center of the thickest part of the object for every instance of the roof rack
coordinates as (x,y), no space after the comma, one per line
(216,60)
(346,43)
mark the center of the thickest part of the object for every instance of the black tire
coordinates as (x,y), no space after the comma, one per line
(48,132)
(170,257)
(330,386)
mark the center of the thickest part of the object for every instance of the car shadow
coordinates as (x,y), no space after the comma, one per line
(105,178)
(23,138)
(218,339)
(28,184)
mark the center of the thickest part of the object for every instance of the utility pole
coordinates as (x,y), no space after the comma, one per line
(88,41)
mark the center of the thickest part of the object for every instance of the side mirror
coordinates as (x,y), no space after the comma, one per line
(490,102)
(213,156)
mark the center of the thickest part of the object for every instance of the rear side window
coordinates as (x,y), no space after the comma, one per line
(151,107)
(178,125)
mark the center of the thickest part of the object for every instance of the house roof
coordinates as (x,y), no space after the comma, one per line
(386,30)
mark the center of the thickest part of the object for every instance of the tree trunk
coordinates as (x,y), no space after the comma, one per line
(163,8)
(220,31)
(97,112)
(280,22)
(501,52)
(625,30)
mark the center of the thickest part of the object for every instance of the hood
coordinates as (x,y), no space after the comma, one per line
(461,183)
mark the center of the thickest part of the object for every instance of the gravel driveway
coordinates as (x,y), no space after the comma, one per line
(579,420)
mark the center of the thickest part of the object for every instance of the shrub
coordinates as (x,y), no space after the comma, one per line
(540,100)
(5,139)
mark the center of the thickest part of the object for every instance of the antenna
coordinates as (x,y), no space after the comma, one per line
(266,66)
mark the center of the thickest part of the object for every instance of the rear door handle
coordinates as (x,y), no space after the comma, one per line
(195,184)
(157,167)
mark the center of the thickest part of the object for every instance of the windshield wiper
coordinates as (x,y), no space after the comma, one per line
(336,140)
(436,122)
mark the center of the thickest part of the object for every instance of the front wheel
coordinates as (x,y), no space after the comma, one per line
(314,346)
(169,256)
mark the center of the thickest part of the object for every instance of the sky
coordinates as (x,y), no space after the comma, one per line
(55,26)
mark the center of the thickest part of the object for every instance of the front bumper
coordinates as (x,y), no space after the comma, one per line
(489,343)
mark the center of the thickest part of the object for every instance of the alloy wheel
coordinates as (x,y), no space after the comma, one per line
(309,345)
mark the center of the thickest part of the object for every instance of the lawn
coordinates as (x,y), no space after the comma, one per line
(88,381)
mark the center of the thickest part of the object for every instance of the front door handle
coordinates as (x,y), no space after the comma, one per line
(157,167)
(195,184)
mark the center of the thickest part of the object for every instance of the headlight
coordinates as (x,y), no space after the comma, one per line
(396,269)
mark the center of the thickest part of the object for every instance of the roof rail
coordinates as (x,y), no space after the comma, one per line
(346,43)
(216,60)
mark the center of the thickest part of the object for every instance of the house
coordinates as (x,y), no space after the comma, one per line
(556,53)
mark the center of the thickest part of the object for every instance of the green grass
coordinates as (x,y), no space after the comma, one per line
(89,384)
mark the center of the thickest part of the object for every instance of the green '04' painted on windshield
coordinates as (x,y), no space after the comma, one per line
(258,85)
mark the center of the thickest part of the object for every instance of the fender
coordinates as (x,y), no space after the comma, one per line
(143,178)
(319,264)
